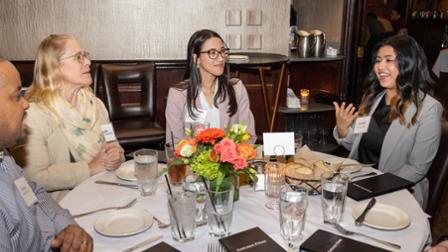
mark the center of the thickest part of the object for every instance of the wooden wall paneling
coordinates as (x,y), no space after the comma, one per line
(351,40)
(316,76)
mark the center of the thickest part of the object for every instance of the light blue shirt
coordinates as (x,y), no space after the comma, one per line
(24,228)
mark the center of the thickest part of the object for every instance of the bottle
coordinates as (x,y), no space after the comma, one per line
(445,38)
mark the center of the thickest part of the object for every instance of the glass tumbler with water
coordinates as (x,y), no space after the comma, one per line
(293,205)
(219,208)
(181,207)
(334,191)
(145,162)
(193,184)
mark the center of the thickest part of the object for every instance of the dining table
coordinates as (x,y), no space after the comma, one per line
(249,211)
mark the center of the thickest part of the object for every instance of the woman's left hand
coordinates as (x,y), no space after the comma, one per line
(115,156)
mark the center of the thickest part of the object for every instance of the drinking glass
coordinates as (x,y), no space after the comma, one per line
(145,165)
(293,206)
(298,141)
(219,208)
(274,180)
(192,183)
(199,126)
(334,191)
(175,172)
(181,206)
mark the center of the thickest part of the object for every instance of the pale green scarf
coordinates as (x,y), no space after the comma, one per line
(80,125)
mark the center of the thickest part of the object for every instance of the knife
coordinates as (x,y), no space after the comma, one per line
(116,183)
(361,218)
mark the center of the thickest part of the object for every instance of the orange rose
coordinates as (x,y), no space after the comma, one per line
(246,150)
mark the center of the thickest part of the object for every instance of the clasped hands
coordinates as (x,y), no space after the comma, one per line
(110,156)
(345,116)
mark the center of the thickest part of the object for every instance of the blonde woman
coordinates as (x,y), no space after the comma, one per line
(65,144)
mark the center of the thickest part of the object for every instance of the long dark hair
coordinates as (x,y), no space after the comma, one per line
(413,78)
(192,77)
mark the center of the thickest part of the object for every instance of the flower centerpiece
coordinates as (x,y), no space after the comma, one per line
(217,155)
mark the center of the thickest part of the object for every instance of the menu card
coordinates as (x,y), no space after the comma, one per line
(323,241)
(250,240)
(161,247)
(377,185)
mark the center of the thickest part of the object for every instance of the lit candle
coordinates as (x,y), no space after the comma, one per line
(304,96)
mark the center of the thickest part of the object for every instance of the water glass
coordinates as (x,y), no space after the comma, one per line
(192,183)
(176,173)
(219,208)
(181,206)
(199,126)
(145,165)
(293,206)
(298,141)
(334,191)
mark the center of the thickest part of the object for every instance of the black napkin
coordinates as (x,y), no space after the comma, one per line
(161,247)
(377,185)
(323,241)
(250,240)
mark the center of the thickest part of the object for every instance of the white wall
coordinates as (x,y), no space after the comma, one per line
(139,29)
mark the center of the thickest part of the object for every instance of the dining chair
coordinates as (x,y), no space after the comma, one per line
(438,173)
(134,123)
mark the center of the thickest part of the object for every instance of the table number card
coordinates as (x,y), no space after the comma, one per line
(278,143)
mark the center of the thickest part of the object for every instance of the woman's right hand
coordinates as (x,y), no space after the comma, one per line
(345,115)
(97,164)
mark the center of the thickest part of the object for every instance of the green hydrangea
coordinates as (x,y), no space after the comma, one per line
(203,166)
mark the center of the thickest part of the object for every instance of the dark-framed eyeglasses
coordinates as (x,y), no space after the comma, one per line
(80,57)
(213,53)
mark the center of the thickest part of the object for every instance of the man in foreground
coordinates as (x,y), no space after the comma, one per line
(30,219)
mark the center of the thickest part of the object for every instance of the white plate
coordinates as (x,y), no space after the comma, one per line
(126,170)
(123,222)
(383,216)
(349,165)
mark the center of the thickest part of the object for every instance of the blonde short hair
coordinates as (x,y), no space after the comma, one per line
(47,77)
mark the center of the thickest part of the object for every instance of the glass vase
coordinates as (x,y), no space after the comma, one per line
(235,180)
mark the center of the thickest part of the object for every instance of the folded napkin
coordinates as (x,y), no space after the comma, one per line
(292,101)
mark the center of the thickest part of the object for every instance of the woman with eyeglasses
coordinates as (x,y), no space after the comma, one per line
(207,96)
(403,119)
(65,144)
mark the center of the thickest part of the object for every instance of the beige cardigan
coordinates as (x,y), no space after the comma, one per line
(46,152)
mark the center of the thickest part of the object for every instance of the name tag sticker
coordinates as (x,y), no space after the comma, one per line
(362,124)
(108,132)
(25,191)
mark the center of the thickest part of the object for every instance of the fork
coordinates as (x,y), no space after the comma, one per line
(128,205)
(344,231)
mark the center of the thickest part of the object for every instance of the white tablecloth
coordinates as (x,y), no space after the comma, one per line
(441,64)
(249,211)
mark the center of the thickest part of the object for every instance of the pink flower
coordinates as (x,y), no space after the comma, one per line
(227,149)
(239,163)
